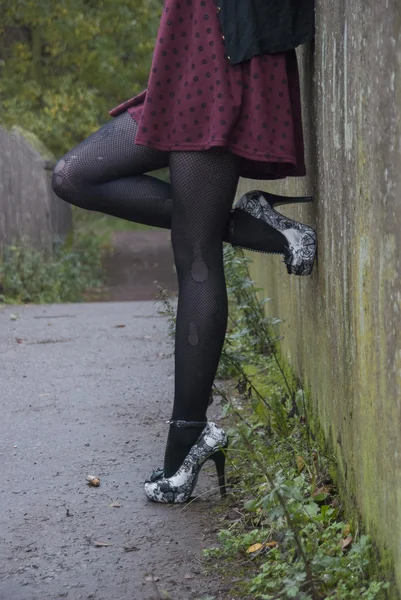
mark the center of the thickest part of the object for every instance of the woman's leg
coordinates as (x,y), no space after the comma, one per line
(204,186)
(105,173)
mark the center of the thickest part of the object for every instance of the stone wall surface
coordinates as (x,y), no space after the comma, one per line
(29,209)
(342,329)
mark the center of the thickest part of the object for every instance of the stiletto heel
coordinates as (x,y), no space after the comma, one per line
(300,248)
(219,459)
(177,489)
(276,200)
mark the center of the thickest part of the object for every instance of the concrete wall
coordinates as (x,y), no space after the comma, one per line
(342,325)
(29,209)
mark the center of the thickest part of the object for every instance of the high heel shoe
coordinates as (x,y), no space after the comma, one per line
(275,200)
(300,250)
(211,445)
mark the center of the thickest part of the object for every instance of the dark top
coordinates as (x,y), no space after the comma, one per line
(252,27)
(196,100)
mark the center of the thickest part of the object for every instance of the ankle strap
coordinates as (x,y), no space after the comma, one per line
(187,423)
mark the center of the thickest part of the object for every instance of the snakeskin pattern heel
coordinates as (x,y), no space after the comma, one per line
(211,445)
(300,253)
(275,200)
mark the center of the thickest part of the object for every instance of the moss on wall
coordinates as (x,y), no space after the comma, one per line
(341,326)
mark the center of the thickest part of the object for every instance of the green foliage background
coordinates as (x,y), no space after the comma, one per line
(65,64)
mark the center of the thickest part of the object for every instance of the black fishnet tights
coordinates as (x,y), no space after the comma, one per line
(204,185)
(105,173)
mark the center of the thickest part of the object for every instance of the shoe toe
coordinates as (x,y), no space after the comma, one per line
(163,493)
(149,489)
(153,492)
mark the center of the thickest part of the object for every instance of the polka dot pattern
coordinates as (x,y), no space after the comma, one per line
(196,100)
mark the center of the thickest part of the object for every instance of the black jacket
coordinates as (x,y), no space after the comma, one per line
(252,27)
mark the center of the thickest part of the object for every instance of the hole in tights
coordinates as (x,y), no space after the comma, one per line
(200,270)
(193,337)
(59,166)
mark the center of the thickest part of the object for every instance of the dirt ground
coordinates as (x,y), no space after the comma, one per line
(138,260)
(86,389)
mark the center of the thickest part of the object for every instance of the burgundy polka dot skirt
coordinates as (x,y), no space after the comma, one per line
(196,100)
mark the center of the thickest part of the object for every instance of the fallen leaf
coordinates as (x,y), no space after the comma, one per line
(346,530)
(188,576)
(321,493)
(346,543)
(324,489)
(93,481)
(115,505)
(254,548)
(131,548)
(258,546)
(151,578)
(300,463)
(118,326)
(13,317)
(19,340)
(101,544)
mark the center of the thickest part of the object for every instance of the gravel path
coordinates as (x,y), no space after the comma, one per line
(86,389)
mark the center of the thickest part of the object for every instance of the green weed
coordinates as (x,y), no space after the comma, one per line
(31,276)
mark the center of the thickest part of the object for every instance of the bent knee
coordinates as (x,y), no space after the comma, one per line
(59,179)
(66,182)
